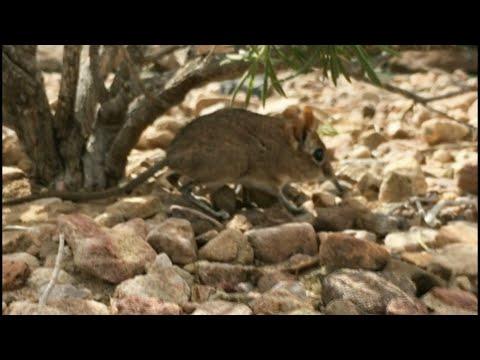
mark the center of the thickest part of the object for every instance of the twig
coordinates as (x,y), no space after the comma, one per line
(56,271)
(431,217)
(419,99)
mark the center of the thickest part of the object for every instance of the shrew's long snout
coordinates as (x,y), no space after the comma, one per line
(330,175)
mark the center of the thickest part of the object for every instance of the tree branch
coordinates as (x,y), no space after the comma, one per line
(68,88)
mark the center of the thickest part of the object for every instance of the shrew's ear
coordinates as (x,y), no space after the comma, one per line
(299,124)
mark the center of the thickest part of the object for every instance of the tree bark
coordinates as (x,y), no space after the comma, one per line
(25,101)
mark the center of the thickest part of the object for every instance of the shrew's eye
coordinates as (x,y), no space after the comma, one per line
(318,155)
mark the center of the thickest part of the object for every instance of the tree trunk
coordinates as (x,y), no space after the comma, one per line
(25,104)
(86,143)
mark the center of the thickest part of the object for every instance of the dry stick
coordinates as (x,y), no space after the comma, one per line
(56,271)
(420,99)
(431,217)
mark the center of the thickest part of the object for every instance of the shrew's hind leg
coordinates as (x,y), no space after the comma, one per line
(186,191)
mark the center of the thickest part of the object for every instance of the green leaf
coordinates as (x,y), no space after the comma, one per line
(239,86)
(363,58)
(253,72)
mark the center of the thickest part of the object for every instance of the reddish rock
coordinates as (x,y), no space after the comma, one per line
(278,243)
(456,298)
(228,246)
(14,274)
(136,305)
(109,254)
(219,307)
(174,237)
(343,250)
(277,301)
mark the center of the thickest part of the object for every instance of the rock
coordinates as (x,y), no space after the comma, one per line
(420,259)
(164,284)
(28,308)
(423,280)
(4,307)
(137,225)
(109,254)
(185,275)
(369,186)
(269,280)
(412,240)
(175,237)
(278,243)
(473,114)
(451,301)
(30,260)
(324,199)
(41,276)
(343,250)
(277,301)
(12,151)
(455,259)
(219,307)
(342,307)
(136,305)
(11,173)
(463,283)
(14,274)
(446,59)
(295,287)
(204,238)
(201,293)
(467,178)
(130,208)
(41,210)
(442,156)
(228,246)
(382,224)
(362,235)
(403,281)
(401,306)
(360,152)
(438,130)
(368,291)
(200,222)
(225,276)
(59,307)
(224,199)
(336,218)
(407,167)
(458,231)
(38,241)
(395,188)
(14,241)
(372,139)
(152,138)
(239,222)
(65,291)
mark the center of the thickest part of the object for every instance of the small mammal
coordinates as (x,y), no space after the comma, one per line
(234,146)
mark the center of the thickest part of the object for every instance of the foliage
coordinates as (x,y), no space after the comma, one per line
(335,60)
